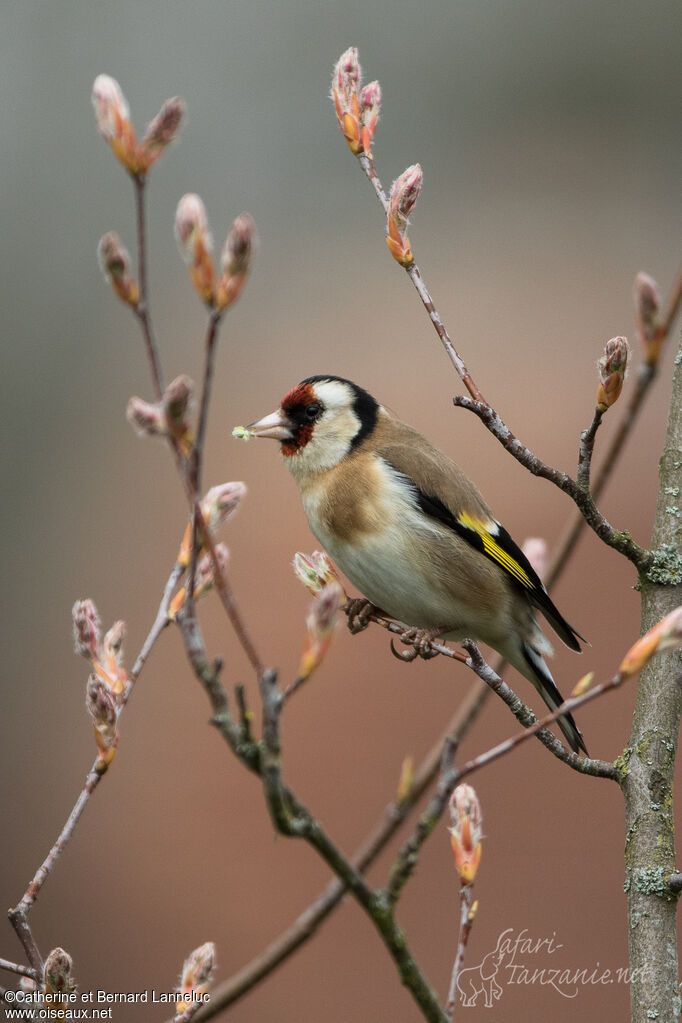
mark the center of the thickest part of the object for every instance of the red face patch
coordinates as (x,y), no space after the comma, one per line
(299,396)
(294,404)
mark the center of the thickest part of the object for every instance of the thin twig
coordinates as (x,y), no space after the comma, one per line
(466,919)
(23,971)
(414,273)
(533,726)
(190,474)
(620,541)
(142,309)
(209,372)
(19,914)
(587,438)
(597,768)
(306,925)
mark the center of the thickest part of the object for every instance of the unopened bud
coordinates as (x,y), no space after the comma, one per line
(406,780)
(112,655)
(161,131)
(217,505)
(314,570)
(236,260)
(197,975)
(114,263)
(370,107)
(647,316)
(101,706)
(321,621)
(175,403)
(112,115)
(345,84)
(58,975)
(612,367)
(666,635)
(221,502)
(86,628)
(195,243)
(537,552)
(206,575)
(466,831)
(147,419)
(583,684)
(404,194)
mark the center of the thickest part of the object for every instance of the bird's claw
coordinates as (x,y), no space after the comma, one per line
(359,612)
(419,641)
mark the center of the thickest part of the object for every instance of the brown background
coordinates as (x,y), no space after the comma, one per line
(549,138)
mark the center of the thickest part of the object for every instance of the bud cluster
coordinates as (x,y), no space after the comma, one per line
(112,114)
(218,504)
(195,243)
(205,578)
(107,681)
(167,418)
(314,570)
(357,109)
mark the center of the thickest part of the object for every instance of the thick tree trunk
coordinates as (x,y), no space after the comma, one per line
(649,761)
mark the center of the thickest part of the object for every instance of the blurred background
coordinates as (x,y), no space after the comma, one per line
(549,138)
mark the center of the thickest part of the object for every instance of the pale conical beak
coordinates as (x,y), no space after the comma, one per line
(276,425)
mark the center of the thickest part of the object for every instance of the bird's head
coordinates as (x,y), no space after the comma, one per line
(319,422)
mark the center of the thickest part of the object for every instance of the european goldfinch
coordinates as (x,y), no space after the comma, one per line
(408,528)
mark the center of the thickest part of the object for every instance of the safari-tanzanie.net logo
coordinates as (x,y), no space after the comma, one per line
(520,960)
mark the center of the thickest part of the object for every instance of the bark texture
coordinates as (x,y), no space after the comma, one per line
(648,763)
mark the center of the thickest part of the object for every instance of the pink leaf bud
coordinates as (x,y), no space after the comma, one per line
(666,635)
(321,621)
(221,502)
(197,975)
(612,367)
(86,628)
(647,314)
(195,243)
(112,655)
(161,131)
(175,404)
(236,260)
(370,107)
(148,420)
(404,194)
(406,780)
(345,83)
(205,577)
(537,552)
(217,505)
(314,570)
(466,831)
(113,120)
(58,975)
(101,706)
(114,263)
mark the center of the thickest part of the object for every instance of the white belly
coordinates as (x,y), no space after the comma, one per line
(387,568)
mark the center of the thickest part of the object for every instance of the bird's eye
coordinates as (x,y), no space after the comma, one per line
(313,412)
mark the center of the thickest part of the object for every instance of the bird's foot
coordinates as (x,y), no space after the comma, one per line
(359,612)
(419,641)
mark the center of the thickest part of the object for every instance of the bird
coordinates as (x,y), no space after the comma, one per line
(409,529)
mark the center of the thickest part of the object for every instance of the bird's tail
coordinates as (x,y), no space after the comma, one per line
(538,673)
